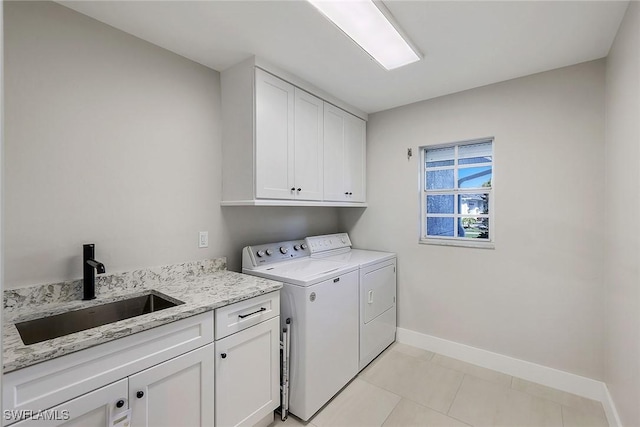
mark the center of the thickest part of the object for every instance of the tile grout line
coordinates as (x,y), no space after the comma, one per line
(457,391)
(413,401)
(392,409)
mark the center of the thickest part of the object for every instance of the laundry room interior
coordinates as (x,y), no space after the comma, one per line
(224,160)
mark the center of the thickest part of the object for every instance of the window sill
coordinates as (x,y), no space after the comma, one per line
(459,243)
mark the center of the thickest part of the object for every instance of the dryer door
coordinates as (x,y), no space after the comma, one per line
(378,291)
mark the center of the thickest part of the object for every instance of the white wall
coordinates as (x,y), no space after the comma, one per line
(538,295)
(115,141)
(622,274)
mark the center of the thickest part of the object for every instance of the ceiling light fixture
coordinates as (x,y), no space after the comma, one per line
(369,24)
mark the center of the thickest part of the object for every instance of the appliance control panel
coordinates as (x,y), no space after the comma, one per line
(276,252)
(328,242)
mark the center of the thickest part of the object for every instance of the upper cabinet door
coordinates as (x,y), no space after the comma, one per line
(344,156)
(274,127)
(334,161)
(308,143)
(355,155)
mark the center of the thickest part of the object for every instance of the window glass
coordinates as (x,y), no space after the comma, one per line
(474,228)
(479,153)
(440,204)
(473,204)
(437,226)
(440,179)
(440,157)
(474,177)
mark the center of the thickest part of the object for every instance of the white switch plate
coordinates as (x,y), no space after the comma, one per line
(203,241)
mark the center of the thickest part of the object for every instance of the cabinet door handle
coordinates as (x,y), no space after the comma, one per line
(223,355)
(242,316)
(299,190)
(370,297)
(350,193)
(293,188)
(140,394)
(346,193)
(336,280)
(120,403)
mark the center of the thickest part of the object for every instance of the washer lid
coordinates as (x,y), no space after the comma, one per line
(361,257)
(305,272)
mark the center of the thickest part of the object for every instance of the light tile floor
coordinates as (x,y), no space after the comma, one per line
(406,386)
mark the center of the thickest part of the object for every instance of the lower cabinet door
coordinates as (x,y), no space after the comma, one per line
(248,374)
(178,392)
(94,409)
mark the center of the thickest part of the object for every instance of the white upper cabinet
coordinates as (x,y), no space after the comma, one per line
(274,137)
(344,156)
(288,140)
(308,146)
(274,142)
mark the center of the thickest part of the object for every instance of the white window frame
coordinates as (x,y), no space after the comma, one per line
(457,241)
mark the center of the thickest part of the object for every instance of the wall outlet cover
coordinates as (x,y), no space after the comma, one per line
(203,240)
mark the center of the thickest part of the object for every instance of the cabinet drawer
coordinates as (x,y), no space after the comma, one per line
(241,315)
(55,381)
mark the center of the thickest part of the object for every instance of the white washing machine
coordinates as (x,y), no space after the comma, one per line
(320,296)
(377,291)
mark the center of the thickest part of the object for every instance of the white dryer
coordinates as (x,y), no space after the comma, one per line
(377,291)
(320,296)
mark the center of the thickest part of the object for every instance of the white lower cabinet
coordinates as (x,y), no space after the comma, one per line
(90,410)
(172,375)
(248,374)
(178,392)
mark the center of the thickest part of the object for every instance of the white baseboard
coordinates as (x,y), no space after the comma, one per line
(610,409)
(555,378)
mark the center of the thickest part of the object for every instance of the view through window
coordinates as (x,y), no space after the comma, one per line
(457,182)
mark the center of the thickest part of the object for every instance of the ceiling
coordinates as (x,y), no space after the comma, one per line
(465,44)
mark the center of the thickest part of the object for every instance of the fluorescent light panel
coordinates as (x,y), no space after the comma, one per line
(365,24)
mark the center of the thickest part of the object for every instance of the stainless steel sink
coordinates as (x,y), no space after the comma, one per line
(46,328)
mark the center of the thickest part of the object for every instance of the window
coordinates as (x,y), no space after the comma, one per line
(456,198)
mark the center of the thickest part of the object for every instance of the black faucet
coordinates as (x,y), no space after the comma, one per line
(89,264)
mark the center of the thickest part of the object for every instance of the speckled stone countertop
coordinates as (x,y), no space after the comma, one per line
(201,285)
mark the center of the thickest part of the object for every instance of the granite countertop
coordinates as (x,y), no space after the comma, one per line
(201,285)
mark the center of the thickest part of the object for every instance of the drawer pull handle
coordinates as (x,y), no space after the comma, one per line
(223,355)
(242,316)
(120,403)
(370,297)
(140,394)
(336,280)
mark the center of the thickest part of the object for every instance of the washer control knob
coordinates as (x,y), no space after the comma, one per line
(269,252)
(303,246)
(296,247)
(283,250)
(260,254)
